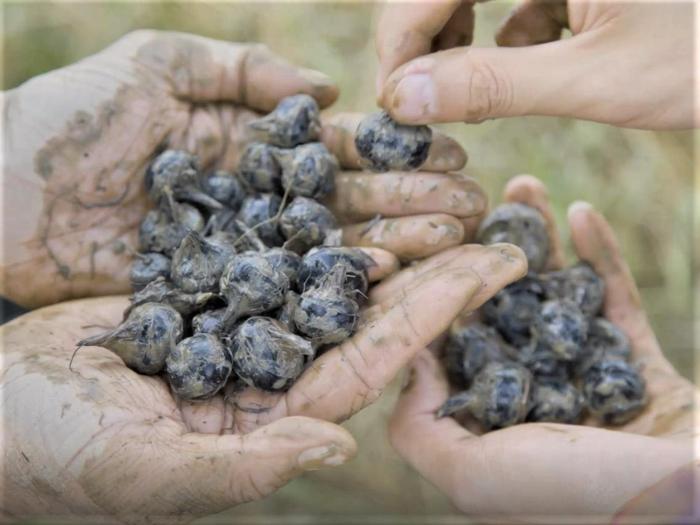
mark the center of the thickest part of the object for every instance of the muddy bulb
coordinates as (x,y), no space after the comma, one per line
(318,262)
(285,261)
(325,313)
(469,348)
(162,291)
(163,229)
(305,224)
(259,169)
(144,339)
(604,340)
(542,361)
(209,322)
(295,120)
(512,310)
(178,171)
(148,267)
(198,367)
(561,327)
(308,170)
(521,225)
(387,145)
(266,355)
(197,264)
(580,284)
(285,314)
(614,391)
(251,286)
(258,209)
(225,187)
(498,397)
(555,401)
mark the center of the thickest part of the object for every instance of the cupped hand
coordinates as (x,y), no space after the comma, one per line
(102,441)
(542,471)
(78,140)
(628,63)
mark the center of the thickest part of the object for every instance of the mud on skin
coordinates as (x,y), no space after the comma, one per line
(266,355)
(385,145)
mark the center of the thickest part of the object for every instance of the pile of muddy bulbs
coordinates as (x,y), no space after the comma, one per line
(540,352)
(241,276)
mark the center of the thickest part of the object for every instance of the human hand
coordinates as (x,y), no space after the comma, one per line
(104,441)
(537,471)
(76,441)
(78,141)
(628,63)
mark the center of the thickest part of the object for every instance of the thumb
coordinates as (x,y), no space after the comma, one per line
(217,472)
(474,84)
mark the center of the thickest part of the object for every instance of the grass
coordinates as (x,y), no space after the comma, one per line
(642,181)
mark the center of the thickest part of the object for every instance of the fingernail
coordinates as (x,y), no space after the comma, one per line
(316,77)
(319,457)
(579,206)
(414,98)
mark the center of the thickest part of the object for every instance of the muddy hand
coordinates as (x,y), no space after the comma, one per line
(79,140)
(538,470)
(427,75)
(77,442)
(393,328)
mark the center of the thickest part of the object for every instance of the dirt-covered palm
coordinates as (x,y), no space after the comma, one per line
(538,471)
(102,439)
(78,140)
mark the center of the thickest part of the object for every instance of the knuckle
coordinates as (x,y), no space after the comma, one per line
(489,90)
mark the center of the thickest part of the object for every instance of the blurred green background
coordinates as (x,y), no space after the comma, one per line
(642,181)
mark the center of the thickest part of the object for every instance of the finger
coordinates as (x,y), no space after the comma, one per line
(471,225)
(459,29)
(533,22)
(386,263)
(473,84)
(221,471)
(406,31)
(361,196)
(204,417)
(595,243)
(486,261)
(200,69)
(351,376)
(414,428)
(338,133)
(409,238)
(529,190)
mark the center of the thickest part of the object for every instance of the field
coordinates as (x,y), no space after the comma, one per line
(642,181)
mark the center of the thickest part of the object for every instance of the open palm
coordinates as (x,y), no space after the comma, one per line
(537,471)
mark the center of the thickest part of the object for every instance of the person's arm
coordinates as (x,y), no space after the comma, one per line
(629,64)
(78,140)
(540,471)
